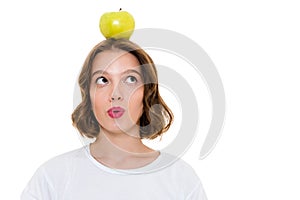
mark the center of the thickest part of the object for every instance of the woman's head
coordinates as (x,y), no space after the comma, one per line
(118,76)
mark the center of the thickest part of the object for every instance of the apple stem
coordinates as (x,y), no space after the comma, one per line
(120,9)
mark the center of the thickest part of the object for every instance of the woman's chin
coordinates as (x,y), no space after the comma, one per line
(128,129)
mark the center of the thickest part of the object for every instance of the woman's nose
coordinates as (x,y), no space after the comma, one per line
(116,94)
(115,98)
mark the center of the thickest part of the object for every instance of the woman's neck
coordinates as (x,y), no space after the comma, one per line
(119,144)
(122,151)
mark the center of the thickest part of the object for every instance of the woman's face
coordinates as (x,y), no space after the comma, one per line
(117,91)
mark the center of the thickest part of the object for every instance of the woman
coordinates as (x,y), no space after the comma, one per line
(121,105)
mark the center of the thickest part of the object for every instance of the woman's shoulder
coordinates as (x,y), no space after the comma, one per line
(176,162)
(53,174)
(63,162)
(175,166)
(75,153)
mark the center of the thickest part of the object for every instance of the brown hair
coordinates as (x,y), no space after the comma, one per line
(154,120)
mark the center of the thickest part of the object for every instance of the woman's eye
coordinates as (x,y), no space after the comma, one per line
(101,80)
(130,79)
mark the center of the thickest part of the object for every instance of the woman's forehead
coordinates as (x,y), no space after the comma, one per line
(115,61)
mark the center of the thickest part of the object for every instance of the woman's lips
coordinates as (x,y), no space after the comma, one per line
(115,112)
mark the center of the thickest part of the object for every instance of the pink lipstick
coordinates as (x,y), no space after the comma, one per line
(115,112)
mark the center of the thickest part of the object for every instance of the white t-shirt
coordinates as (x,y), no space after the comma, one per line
(76,175)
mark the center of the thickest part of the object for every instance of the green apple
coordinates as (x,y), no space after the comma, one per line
(117,24)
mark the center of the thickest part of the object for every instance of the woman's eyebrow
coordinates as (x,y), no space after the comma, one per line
(125,72)
(99,72)
(132,71)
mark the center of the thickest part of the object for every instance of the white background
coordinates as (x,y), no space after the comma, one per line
(254,44)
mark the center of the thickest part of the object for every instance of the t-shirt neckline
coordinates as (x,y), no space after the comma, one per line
(141,170)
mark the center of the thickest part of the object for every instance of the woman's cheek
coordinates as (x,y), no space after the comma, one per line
(98,103)
(136,104)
